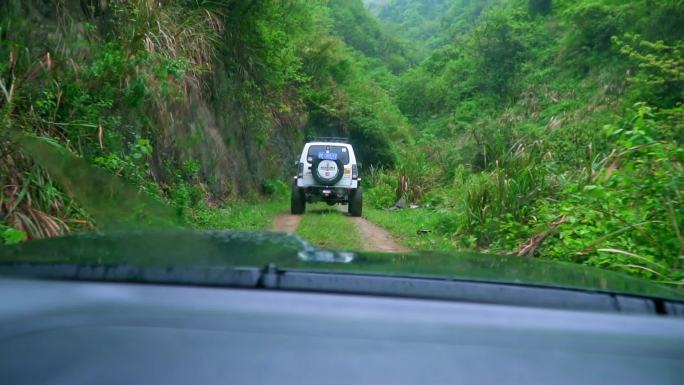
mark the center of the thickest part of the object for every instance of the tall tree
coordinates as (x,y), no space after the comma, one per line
(540,7)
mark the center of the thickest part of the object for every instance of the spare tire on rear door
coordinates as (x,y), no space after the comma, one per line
(327,171)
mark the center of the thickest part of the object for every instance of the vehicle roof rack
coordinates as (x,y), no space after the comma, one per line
(327,139)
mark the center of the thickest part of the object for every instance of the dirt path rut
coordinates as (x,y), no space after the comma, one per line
(286,223)
(373,237)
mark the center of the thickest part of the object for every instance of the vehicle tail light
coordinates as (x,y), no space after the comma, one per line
(300,170)
(355,172)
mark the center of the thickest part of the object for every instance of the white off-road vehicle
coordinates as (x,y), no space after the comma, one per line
(327,171)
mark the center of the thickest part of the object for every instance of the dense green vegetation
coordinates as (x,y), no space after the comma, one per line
(190,105)
(251,215)
(545,128)
(418,229)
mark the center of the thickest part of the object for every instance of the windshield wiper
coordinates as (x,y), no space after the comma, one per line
(272,278)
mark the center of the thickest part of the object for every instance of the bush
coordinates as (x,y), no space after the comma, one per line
(275,188)
(540,7)
(435,198)
(659,78)
(519,178)
(499,47)
(664,21)
(11,236)
(628,218)
(380,196)
(594,24)
(449,223)
(379,187)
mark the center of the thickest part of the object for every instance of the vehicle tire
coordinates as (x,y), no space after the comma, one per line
(356,202)
(323,181)
(297,201)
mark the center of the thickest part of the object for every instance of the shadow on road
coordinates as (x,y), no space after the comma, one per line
(323,210)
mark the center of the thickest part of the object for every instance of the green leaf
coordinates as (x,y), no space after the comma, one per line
(12,236)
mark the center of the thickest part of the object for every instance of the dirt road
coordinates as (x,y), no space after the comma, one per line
(373,237)
(286,223)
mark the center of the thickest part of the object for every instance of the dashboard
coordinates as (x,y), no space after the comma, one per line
(74,332)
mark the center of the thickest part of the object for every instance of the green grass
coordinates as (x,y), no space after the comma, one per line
(240,216)
(406,226)
(329,229)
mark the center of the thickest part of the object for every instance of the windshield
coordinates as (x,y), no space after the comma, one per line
(318,152)
(530,142)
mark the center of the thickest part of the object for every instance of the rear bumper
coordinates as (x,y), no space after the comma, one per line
(329,194)
(343,184)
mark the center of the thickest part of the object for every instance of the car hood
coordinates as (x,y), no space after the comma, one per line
(177,248)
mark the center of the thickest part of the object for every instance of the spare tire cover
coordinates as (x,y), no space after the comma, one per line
(327,172)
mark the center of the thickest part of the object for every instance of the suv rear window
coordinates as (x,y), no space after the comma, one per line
(341,151)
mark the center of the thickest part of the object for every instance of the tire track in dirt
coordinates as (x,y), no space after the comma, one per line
(373,237)
(286,223)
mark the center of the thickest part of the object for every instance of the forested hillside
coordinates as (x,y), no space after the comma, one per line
(541,128)
(549,128)
(196,103)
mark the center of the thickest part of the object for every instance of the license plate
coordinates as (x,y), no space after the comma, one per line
(327,155)
(326,192)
